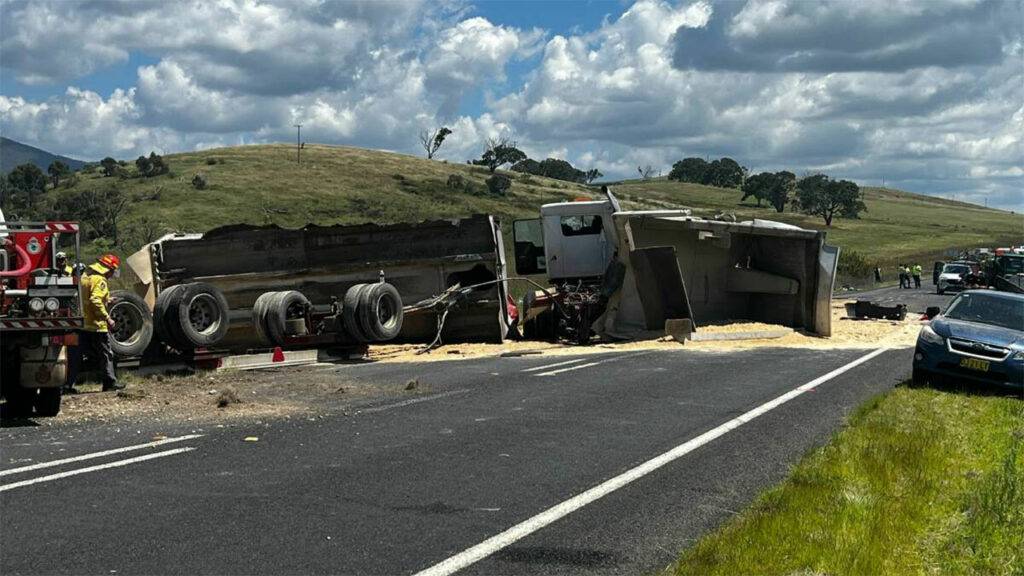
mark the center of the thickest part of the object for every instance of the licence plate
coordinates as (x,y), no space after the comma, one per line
(974,364)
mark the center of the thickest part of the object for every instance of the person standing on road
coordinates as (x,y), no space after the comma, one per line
(917,275)
(95,339)
(878,274)
(903,275)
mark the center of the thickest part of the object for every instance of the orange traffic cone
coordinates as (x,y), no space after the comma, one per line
(278,355)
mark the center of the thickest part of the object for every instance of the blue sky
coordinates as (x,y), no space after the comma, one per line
(926,95)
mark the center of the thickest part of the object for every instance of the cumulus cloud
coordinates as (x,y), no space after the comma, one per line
(925,95)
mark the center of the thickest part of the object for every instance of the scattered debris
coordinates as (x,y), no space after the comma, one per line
(518,353)
(412,384)
(865,309)
(251,439)
(228,397)
(131,394)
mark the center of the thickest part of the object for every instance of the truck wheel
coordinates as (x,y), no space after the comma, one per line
(19,401)
(350,310)
(259,317)
(166,302)
(202,315)
(133,324)
(287,306)
(48,402)
(380,312)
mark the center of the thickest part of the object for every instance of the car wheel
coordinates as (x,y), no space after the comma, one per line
(48,402)
(133,324)
(920,377)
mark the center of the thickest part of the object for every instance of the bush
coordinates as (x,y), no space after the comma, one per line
(211,161)
(853,264)
(498,184)
(199,182)
(456,182)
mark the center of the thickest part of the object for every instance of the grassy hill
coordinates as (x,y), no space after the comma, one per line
(13,153)
(263,185)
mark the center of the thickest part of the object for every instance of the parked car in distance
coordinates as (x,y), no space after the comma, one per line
(978,339)
(952,277)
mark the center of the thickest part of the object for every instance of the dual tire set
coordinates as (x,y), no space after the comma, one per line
(185,317)
(370,313)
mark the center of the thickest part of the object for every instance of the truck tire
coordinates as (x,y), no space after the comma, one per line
(19,401)
(133,324)
(166,301)
(199,316)
(259,317)
(48,402)
(283,307)
(380,312)
(350,312)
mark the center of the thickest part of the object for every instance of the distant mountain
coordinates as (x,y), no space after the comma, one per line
(15,153)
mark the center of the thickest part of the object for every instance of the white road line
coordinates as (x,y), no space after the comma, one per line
(589,364)
(114,464)
(536,368)
(99,454)
(531,525)
(412,401)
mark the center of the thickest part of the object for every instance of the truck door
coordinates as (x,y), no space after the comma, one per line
(528,241)
(577,245)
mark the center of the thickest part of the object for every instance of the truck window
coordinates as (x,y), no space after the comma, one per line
(581,225)
(528,240)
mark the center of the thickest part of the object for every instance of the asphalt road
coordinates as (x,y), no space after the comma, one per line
(916,299)
(399,487)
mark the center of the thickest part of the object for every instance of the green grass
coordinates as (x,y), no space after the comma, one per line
(920,482)
(339,185)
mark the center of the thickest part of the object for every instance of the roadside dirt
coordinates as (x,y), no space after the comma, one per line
(227,396)
(846,333)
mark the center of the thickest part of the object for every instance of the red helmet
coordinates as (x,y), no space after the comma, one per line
(110,261)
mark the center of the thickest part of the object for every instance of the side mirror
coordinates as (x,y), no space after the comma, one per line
(932,312)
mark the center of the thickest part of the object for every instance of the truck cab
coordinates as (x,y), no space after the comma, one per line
(570,241)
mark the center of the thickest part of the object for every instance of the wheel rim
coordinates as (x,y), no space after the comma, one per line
(127,323)
(385,311)
(204,314)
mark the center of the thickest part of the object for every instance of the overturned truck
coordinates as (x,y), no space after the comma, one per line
(623,274)
(325,272)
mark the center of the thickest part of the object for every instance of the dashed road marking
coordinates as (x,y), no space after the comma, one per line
(101,454)
(412,401)
(563,363)
(589,364)
(78,471)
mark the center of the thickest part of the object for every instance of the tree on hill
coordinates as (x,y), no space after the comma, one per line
(527,166)
(432,141)
(57,170)
(561,170)
(724,173)
(593,174)
(775,188)
(99,210)
(154,165)
(22,190)
(498,153)
(819,195)
(646,172)
(689,170)
(110,166)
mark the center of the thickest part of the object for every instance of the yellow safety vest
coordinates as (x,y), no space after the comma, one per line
(95,295)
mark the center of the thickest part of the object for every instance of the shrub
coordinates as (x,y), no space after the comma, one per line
(456,182)
(853,264)
(498,184)
(211,161)
(199,182)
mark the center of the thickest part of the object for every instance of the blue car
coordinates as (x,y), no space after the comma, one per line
(979,339)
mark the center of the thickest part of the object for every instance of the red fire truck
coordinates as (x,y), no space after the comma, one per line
(40,314)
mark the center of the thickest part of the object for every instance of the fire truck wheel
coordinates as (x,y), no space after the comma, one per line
(349,312)
(259,317)
(202,315)
(380,312)
(288,305)
(133,324)
(19,401)
(166,302)
(48,402)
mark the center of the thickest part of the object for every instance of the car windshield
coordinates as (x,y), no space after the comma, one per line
(988,309)
(955,269)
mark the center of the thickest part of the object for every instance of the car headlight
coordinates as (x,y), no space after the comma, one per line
(52,304)
(36,304)
(929,335)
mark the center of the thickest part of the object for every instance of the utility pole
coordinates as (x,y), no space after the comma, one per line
(298,143)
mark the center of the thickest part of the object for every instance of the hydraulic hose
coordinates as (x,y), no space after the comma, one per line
(26,263)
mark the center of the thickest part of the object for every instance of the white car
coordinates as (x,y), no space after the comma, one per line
(951,277)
